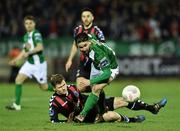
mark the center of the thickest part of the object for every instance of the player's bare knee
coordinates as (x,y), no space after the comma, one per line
(79,86)
(81,89)
(18,80)
(97,88)
(119,102)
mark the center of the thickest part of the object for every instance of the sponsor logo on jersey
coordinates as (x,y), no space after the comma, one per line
(51,112)
(103,62)
(76,93)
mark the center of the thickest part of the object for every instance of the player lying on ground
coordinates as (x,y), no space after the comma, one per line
(68,101)
(35,65)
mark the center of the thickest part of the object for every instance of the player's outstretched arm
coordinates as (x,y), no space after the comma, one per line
(105,75)
(71,56)
(37,49)
(19,57)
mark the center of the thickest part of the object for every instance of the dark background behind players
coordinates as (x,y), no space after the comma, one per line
(14,69)
(142,29)
(118,18)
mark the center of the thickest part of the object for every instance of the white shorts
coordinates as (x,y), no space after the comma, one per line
(95,72)
(39,71)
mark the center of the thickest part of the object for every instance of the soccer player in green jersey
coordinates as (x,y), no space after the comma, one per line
(104,68)
(35,64)
(84,67)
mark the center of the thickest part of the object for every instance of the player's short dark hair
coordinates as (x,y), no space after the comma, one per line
(87,9)
(56,79)
(29,17)
(81,37)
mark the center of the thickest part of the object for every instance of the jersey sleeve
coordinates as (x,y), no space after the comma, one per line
(105,68)
(53,114)
(104,76)
(99,34)
(54,110)
(75,32)
(37,38)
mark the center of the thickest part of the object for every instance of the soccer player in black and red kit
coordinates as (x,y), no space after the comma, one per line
(84,67)
(68,101)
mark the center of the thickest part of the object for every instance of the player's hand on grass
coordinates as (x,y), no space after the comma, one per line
(68,65)
(70,118)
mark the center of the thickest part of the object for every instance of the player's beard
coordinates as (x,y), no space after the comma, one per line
(87,23)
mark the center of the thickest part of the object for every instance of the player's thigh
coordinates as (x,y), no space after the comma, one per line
(119,102)
(79,86)
(20,78)
(40,73)
(27,69)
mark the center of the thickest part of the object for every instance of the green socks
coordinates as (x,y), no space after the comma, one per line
(18,92)
(90,102)
(50,87)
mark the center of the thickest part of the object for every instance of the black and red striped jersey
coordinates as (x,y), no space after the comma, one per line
(65,104)
(94,30)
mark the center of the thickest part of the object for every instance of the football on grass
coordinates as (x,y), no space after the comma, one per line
(131,93)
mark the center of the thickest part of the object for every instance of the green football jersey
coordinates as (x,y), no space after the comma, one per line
(103,58)
(34,38)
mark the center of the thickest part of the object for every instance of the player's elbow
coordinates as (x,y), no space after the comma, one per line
(40,47)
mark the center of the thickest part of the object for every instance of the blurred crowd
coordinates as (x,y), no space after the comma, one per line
(151,20)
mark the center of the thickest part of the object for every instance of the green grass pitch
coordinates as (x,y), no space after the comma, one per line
(34,113)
